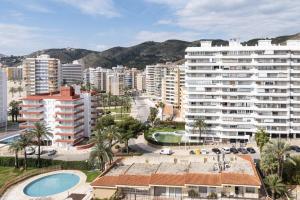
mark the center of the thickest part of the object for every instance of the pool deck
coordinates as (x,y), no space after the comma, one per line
(16,192)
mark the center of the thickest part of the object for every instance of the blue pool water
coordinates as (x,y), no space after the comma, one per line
(52,184)
(10,139)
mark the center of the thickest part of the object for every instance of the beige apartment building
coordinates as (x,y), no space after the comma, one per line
(115,83)
(141,82)
(41,75)
(172,82)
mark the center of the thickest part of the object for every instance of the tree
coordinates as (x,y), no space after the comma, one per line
(161,105)
(19,90)
(24,141)
(12,91)
(105,121)
(261,138)
(111,133)
(275,184)
(15,148)
(39,132)
(201,125)
(279,149)
(268,163)
(101,154)
(153,114)
(14,110)
(129,128)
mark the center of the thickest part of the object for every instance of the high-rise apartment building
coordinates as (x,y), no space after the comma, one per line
(3,98)
(14,73)
(237,89)
(96,77)
(41,75)
(141,82)
(172,82)
(115,83)
(72,73)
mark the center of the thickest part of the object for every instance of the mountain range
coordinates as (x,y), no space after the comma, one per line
(135,56)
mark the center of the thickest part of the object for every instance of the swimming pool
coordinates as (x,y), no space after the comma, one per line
(10,139)
(51,184)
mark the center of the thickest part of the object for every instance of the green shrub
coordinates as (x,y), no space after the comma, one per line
(32,162)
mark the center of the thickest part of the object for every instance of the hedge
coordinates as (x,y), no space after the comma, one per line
(32,162)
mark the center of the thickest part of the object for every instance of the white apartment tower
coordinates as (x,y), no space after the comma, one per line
(3,98)
(41,75)
(237,89)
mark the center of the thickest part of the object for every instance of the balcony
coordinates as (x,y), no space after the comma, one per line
(69,106)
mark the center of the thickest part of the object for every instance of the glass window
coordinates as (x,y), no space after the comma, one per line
(160,191)
(250,190)
(203,190)
(175,192)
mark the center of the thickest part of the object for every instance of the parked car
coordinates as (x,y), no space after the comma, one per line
(166,152)
(52,152)
(251,150)
(192,152)
(204,151)
(216,150)
(29,150)
(234,150)
(242,150)
(295,148)
(226,150)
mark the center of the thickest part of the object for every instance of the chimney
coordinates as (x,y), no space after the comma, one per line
(67,91)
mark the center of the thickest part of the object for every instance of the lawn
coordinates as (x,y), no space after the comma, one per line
(91,175)
(9,173)
(117,110)
(168,138)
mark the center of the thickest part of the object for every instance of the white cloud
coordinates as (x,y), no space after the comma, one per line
(143,36)
(94,7)
(235,18)
(37,8)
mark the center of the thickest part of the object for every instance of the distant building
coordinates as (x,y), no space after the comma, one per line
(172,81)
(14,73)
(3,98)
(41,75)
(72,73)
(115,83)
(141,82)
(69,116)
(180,177)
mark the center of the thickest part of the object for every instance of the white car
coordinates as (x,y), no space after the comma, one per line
(204,151)
(29,150)
(166,152)
(226,150)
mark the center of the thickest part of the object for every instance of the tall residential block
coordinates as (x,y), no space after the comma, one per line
(72,73)
(237,89)
(141,82)
(41,75)
(172,82)
(3,98)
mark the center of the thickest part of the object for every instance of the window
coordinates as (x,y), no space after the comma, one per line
(160,191)
(250,190)
(174,192)
(203,190)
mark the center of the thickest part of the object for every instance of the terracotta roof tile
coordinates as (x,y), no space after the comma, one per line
(108,181)
(167,179)
(203,179)
(134,180)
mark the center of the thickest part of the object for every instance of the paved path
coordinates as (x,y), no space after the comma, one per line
(140,108)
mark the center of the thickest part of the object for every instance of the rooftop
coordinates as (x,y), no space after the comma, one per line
(181,170)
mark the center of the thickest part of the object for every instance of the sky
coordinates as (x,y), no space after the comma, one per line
(30,25)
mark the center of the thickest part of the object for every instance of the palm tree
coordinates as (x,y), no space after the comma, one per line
(39,132)
(12,90)
(24,141)
(19,90)
(15,148)
(279,149)
(101,152)
(275,184)
(14,110)
(153,114)
(110,134)
(162,106)
(261,138)
(201,125)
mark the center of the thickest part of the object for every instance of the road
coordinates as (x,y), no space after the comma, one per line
(140,108)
